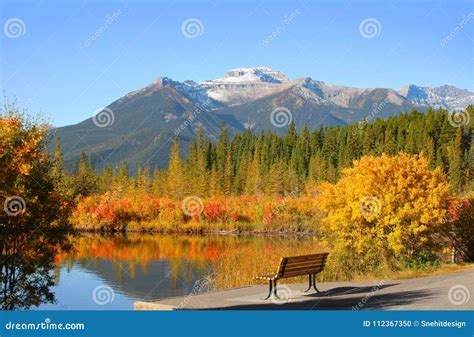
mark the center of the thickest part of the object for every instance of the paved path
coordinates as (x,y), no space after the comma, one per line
(454,291)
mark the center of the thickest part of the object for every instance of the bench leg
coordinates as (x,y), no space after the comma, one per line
(310,282)
(270,286)
(314,283)
(275,291)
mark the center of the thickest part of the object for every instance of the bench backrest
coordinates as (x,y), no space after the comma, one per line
(301,265)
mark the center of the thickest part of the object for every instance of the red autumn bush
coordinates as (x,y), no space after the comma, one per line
(135,211)
(214,212)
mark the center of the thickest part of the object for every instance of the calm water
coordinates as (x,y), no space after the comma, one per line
(111,272)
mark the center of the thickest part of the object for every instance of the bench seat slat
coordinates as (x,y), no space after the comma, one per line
(304,258)
(303,264)
(303,268)
(298,266)
(301,272)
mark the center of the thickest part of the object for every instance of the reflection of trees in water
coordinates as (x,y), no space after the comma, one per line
(35,201)
(27,268)
(234,259)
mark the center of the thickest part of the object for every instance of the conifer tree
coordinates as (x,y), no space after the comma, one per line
(455,161)
(175,181)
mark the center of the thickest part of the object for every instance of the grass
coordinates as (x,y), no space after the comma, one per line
(238,268)
(421,272)
(245,278)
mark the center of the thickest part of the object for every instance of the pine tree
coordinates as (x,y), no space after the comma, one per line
(84,180)
(268,163)
(213,181)
(156,186)
(222,149)
(58,173)
(228,174)
(202,176)
(122,180)
(175,181)
(455,161)
(254,179)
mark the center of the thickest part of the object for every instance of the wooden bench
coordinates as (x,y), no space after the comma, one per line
(296,266)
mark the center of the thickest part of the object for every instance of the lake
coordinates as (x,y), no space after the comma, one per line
(112,272)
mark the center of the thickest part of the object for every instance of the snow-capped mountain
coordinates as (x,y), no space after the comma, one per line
(244,84)
(446,96)
(146,120)
(241,85)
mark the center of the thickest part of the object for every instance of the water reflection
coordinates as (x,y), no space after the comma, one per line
(27,267)
(147,267)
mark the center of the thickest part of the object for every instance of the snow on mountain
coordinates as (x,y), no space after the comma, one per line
(446,96)
(241,85)
(244,84)
(243,98)
(256,74)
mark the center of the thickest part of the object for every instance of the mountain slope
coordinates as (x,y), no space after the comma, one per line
(144,124)
(141,125)
(446,96)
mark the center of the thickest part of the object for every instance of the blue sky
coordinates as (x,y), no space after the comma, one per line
(69,58)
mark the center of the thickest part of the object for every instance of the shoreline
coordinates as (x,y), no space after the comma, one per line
(234,232)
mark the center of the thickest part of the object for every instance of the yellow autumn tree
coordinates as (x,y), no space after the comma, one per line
(33,211)
(383,209)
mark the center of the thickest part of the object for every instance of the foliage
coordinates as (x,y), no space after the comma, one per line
(383,209)
(421,260)
(461,227)
(34,211)
(26,173)
(141,212)
(267,164)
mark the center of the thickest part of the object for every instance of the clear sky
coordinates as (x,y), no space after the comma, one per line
(67,59)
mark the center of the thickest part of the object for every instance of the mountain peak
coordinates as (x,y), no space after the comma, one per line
(445,96)
(244,84)
(162,80)
(412,90)
(251,75)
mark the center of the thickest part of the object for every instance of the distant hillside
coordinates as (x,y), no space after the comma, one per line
(139,127)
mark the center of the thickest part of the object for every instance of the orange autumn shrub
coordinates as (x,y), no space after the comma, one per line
(111,212)
(460,227)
